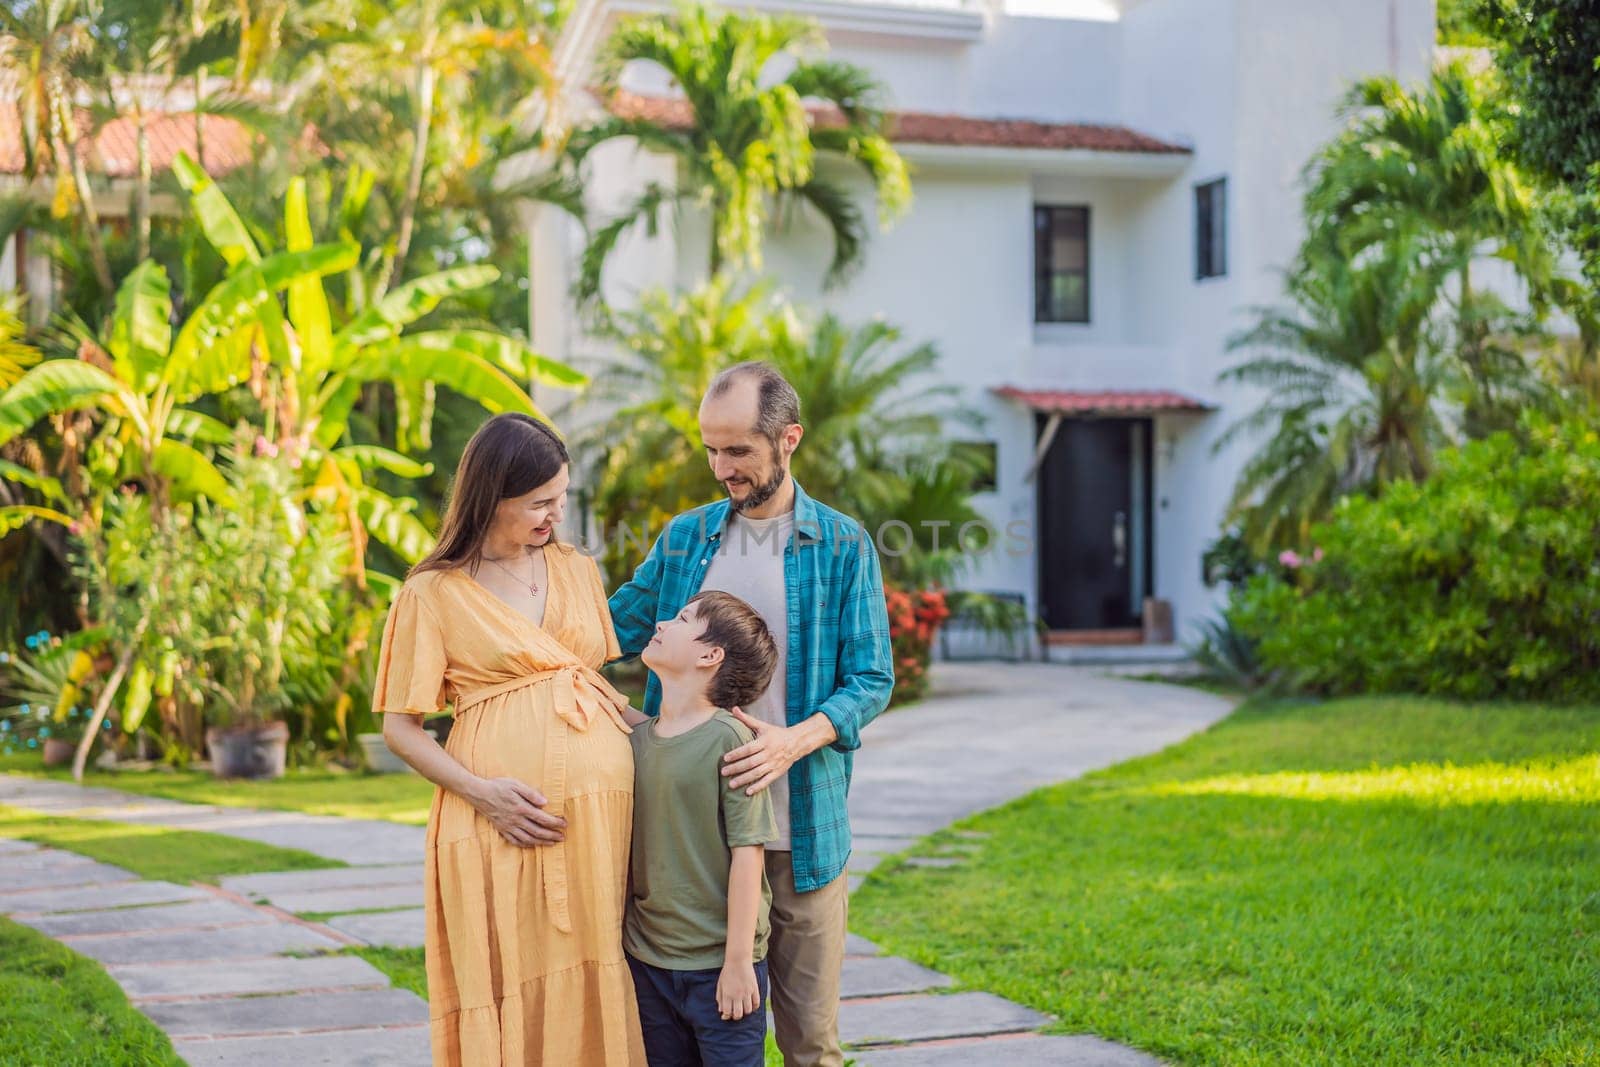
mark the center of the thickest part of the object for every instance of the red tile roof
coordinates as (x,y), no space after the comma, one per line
(917,127)
(1104,401)
(114,150)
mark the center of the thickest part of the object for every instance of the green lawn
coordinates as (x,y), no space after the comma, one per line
(61,1008)
(397,797)
(1359,882)
(154,852)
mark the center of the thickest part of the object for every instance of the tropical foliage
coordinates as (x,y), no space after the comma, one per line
(1476,584)
(1389,348)
(748,140)
(876,443)
(216,500)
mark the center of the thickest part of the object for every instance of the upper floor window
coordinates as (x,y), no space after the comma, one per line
(1060,264)
(1211,229)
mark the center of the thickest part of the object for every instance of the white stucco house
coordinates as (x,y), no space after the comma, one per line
(1103,188)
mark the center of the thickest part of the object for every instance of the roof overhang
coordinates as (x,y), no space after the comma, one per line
(970,142)
(1089,403)
(1077,161)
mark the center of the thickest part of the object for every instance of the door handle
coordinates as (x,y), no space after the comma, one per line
(1119,539)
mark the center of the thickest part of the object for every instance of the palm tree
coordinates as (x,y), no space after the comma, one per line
(438,67)
(46,46)
(1356,373)
(745,141)
(871,410)
(1423,172)
(874,442)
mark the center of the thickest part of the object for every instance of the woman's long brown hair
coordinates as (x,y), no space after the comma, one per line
(510,455)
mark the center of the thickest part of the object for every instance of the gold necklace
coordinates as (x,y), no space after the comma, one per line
(533,588)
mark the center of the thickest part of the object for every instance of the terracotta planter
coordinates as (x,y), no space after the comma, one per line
(58,752)
(248,751)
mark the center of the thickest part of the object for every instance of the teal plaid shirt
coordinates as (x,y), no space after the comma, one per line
(839,659)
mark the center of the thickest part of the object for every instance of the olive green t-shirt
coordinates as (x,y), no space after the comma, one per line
(686,822)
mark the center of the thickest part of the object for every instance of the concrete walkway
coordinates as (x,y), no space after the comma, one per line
(208,963)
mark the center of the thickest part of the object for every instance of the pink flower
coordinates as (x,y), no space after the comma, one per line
(1316,557)
(265,447)
(75,528)
(1289,558)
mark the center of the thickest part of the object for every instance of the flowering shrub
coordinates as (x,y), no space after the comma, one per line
(1483,583)
(914,619)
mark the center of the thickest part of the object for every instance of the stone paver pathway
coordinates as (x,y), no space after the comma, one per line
(230,982)
(208,964)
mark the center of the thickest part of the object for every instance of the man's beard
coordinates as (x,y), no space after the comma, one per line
(760,494)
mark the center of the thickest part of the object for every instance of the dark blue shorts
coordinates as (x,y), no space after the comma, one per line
(682,1027)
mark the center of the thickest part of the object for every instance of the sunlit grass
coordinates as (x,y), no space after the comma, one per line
(1574,781)
(403,798)
(60,1008)
(155,852)
(1364,882)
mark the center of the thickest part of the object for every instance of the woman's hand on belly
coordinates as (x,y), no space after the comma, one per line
(516,810)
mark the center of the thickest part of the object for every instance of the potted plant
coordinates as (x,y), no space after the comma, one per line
(264,597)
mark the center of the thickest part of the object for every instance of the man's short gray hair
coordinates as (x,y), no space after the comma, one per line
(777,404)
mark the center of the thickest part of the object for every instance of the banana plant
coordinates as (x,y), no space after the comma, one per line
(321,367)
(142,372)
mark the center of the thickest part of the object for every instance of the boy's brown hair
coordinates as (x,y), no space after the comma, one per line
(749,654)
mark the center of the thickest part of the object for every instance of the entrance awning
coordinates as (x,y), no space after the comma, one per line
(1086,402)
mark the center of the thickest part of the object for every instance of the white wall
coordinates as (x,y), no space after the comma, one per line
(1250,84)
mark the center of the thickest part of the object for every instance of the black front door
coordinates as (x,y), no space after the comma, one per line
(1094,523)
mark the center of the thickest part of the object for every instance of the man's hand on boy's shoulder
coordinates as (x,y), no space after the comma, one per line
(773,750)
(738,994)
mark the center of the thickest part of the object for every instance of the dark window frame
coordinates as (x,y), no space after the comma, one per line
(1044,271)
(1211,229)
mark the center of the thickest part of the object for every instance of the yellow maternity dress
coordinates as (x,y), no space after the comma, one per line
(524,945)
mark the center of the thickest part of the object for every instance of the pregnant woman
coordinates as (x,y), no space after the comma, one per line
(528,837)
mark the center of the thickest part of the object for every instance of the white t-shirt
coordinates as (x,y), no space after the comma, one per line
(749,564)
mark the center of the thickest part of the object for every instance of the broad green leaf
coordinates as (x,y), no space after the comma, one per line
(390,521)
(195,426)
(386,585)
(308,302)
(189,472)
(218,220)
(17,516)
(401,361)
(406,304)
(414,403)
(370,456)
(136,697)
(50,487)
(141,328)
(54,385)
(334,404)
(232,304)
(510,355)
(353,202)
(16,354)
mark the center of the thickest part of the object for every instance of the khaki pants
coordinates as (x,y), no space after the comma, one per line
(804,955)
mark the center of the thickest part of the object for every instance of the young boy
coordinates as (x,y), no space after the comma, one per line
(696,926)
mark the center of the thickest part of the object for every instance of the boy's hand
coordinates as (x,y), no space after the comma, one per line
(738,994)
